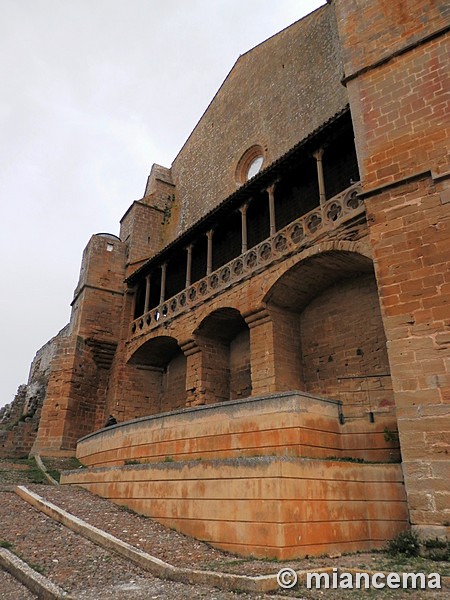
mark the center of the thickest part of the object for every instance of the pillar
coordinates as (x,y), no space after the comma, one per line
(163,282)
(209,235)
(188,265)
(318,154)
(195,391)
(147,293)
(262,354)
(243,211)
(273,226)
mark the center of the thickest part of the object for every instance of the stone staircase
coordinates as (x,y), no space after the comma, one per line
(71,566)
(154,562)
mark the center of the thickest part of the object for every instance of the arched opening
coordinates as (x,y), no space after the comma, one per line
(344,353)
(329,302)
(160,374)
(224,338)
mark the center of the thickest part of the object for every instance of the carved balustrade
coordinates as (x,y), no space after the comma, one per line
(298,234)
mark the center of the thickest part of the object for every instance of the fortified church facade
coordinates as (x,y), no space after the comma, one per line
(272,326)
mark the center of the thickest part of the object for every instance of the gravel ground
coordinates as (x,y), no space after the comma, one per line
(144,533)
(79,566)
(11,589)
(167,590)
(167,544)
(181,550)
(91,573)
(178,549)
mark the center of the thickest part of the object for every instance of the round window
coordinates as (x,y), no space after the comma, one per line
(250,164)
(255,167)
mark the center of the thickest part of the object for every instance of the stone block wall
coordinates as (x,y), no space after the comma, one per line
(77,386)
(173,387)
(344,347)
(240,368)
(285,424)
(134,392)
(287,347)
(266,93)
(141,232)
(288,508)
(396,61)
(411,244)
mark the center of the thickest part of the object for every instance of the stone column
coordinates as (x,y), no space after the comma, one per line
(262,355)
(318,154)
(243,211)
(209,235)
(271,192)
(188,265)
(147,293)
(195,391)
(133,293)
(163,283)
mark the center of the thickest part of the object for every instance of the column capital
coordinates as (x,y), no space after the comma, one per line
(243,209)
(271,188)
(189,347)
(318,153)
(257,316)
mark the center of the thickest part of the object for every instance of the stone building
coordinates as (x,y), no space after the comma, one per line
(272,326)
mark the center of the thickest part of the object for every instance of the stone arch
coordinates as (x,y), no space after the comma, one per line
(360,248)
(318,268)
(224,339)
(328,324)
(161,366)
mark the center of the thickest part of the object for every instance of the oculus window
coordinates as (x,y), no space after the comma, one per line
(250,164)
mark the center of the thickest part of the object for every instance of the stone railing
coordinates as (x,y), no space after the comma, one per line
(299,233)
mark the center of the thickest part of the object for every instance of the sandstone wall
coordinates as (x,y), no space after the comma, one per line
(275,95)
(288,508)
(397,68)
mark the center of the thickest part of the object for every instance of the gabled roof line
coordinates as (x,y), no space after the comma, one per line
(240,57)
(264,176)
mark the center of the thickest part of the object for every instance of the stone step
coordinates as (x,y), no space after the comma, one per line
(12,589)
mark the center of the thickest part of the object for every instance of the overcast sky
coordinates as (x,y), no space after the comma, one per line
(93,92)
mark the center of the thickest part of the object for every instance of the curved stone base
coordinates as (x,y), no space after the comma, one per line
(264,507)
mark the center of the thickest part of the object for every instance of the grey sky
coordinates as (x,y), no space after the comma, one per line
(93,93)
